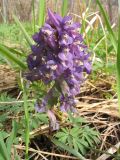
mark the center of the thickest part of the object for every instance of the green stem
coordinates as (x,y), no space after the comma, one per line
(27,129)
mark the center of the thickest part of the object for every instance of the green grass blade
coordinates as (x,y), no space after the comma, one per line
(64,7)
(10,140)
(27,37)
(3,149)
(1,157)
(111,33)
(33,14)
(118,60)
(67,148)
(27,129)
(9,55)
(41,17)
(14,51)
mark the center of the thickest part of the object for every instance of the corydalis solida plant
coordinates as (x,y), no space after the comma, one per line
(60,56)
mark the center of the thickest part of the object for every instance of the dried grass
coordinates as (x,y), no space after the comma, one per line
(99,111)
(8,78)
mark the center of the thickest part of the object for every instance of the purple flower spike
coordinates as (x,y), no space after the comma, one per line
(59,56)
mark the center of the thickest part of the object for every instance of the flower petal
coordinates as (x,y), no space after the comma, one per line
(53,18)
(53,122)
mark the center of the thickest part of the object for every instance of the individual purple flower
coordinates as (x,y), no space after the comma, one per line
(59,56)
(67,103)
(41,107)
(65,39)
(54,125)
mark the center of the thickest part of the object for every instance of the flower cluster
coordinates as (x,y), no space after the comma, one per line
(59,55)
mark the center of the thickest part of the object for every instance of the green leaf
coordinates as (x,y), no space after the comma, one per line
(88,139)
(81,148)
(60,134)
(80,120)
(75,144)
(65,130)
(83,142)
(93,133)
(3,117)
(65,7)
(70,140)
(118,61)
(17,157)
(1,157)
(10,140)
(43,118)
(71,118)
(10,56)
(3,149)
(110,48)
(5,134)
(27,37)
(34,123)
(26,110)
(41,17)
(15,51)
(69,149)
(63,139)
(95,139)
(111,33)
(74,131)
